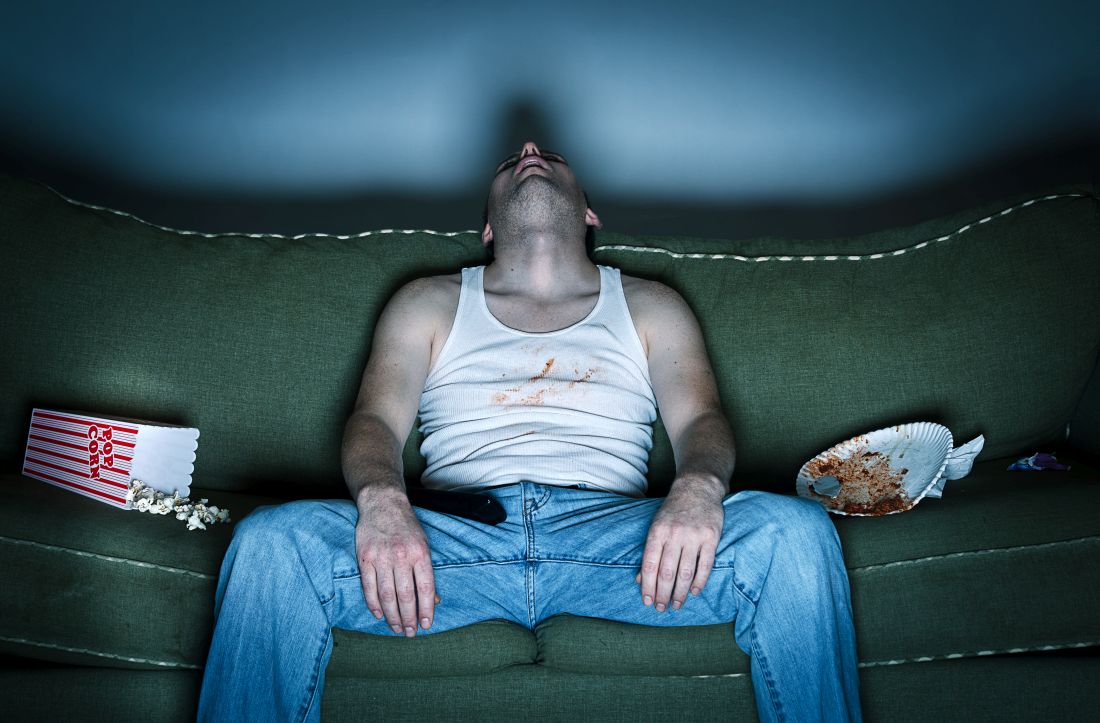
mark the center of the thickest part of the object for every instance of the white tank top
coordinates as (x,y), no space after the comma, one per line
(568,407)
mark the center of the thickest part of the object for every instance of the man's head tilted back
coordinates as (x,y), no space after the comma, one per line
(534,193)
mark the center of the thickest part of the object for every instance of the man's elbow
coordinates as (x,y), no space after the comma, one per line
(362,426)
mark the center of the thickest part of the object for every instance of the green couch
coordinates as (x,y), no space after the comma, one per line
(979,606)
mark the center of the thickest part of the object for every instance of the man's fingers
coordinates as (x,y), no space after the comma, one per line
(651,561)
(702,572)
(685,573)
(406,598)
(425,592)
(368,578)
(666,575)
(387,595)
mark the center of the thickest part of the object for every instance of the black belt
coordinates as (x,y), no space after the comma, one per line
(471,505)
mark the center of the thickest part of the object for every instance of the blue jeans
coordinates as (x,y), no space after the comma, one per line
(290,576)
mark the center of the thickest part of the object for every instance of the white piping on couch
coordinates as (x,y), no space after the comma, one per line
(98,654)
(868,664)
(945,656)
(609,247)
(109,558)
(972,553)
(978,653)
(865,257)
(184,232)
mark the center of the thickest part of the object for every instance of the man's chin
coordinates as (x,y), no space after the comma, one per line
(532,175)
(536,189)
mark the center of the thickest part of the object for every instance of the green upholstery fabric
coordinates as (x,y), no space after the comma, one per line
(1021,688)
(960,331)
(83,694)
(260,342)
(487,647)
(91,584)
(1006,557)
(986,320)
(1018,688)
(1084,430)
(590,645)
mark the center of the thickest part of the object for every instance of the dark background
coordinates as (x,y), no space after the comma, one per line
(722,119)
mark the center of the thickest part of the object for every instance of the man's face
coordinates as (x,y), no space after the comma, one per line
(533,166)
(530,155)
(533,188)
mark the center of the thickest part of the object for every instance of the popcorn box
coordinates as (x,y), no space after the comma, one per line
(97,455)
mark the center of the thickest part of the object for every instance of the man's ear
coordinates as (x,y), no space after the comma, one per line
(486,234)
(590,218)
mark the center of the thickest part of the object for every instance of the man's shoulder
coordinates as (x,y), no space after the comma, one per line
(650,298)
(428,298)
(428,290)
(655,308)
(645,288)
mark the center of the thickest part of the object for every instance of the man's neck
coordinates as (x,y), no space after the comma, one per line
(541,267)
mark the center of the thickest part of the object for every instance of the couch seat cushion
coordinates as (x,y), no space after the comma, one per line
(96,585)
(590,645)
(487,647)
(1003,562)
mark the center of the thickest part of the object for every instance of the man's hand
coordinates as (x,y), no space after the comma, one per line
(679,551)
(395,564)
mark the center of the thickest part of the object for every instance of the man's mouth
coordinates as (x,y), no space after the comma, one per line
(529,162)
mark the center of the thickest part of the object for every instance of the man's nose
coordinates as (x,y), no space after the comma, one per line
(529,149)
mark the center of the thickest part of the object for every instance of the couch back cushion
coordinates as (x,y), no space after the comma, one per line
(986,321)
(988,326)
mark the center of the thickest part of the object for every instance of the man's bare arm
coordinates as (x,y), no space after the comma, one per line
(683,537)
(391,548)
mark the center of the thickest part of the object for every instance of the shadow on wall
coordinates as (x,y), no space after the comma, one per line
(1070,158)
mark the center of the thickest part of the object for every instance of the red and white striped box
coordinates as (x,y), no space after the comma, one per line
(97,456)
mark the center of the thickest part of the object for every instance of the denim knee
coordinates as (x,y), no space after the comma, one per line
(796,526)
(266,520)
(274,529)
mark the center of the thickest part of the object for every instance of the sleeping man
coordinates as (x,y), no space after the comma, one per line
(537,379)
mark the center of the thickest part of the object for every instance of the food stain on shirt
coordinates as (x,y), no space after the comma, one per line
(582,380)
(551,387)
(545,370)
(536,398)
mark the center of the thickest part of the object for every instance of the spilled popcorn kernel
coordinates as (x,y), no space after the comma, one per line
(197,515)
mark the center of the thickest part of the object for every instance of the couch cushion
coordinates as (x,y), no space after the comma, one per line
(257,342)
(92,584)
(487,647)
(1003,562)
(100,694)
(590,645)
(986,320)
(1000,688)
(1013,688)
(953,320)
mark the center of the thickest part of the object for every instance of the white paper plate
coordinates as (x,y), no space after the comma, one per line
(886,471)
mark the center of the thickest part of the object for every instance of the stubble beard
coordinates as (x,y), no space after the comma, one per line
(537,206)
